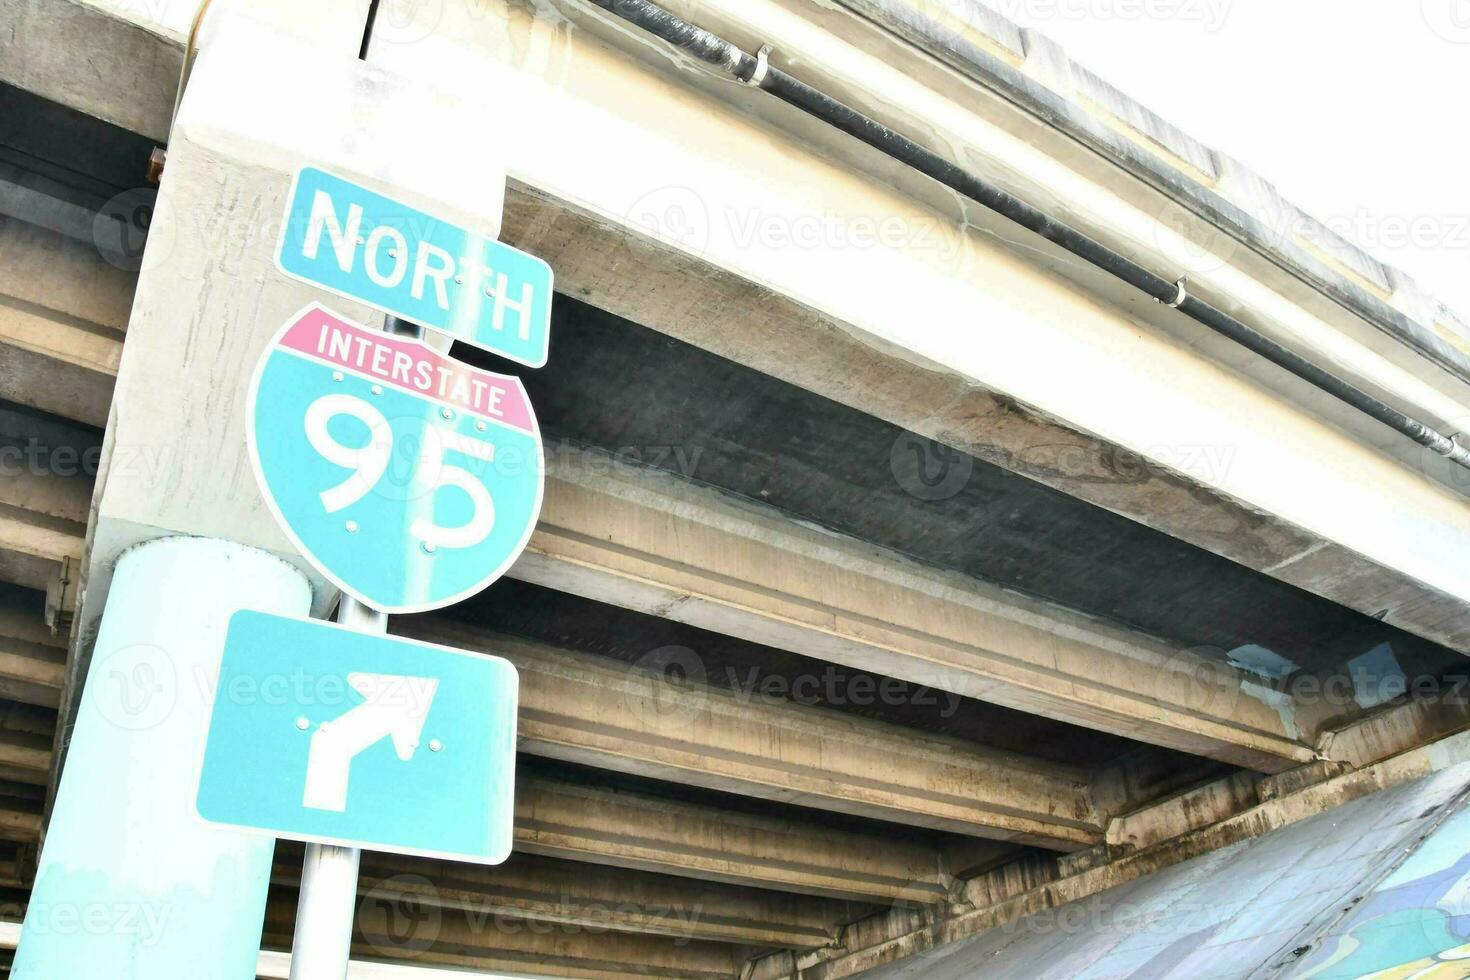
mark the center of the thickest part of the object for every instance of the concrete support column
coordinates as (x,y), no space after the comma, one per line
(132,884)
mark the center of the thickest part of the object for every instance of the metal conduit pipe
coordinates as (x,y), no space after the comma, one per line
(755,70)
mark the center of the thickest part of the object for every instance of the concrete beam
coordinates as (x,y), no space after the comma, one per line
(25,758)
(31,672)
(93,59)
(575,822)
(63,309)
(1050,371)
(55,365)
(568,894)
(1066,366)
(43,512)
(453,938)
(20,826)
(653,543)
(586,709)
(560,819)
(32,546)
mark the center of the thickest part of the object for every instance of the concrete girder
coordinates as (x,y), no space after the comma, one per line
(560,819)
(587,709)
(63,308)
(571,821)
(20,826)
(653,543)
(32,546)
(453,938)
(568,894)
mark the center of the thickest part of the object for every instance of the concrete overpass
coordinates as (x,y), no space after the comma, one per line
(898,575)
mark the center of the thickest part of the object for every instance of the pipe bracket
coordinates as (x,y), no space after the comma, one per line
(762,66)
(1179,297)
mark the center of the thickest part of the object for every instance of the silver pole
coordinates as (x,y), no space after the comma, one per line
(322,944)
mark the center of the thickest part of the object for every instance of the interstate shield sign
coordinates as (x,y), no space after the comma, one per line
(408,479)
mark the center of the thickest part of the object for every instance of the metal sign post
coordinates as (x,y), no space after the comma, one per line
(325,907)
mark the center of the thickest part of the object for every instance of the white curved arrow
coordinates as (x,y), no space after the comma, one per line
(394,707)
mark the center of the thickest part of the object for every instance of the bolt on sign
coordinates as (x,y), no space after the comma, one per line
(409,479)
(368,247)
(325,734)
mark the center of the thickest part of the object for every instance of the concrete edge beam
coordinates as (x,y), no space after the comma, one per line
(689,296)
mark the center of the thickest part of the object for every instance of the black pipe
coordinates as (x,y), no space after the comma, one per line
(726,56)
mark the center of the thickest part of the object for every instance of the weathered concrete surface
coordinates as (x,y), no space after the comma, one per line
(741,569)
(584,709)
(1278,843)
(1032,70)
(1278,508)
(1259,907)
(560,819)
(32,659)
(91,59)
(62,313)
(564,894)
(521,948)
(210,295)
(557,818)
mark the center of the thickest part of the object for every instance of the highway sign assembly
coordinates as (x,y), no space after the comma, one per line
(409,479)
(326,734)
(362,245)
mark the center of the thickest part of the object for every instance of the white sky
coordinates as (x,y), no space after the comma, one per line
(1357,110)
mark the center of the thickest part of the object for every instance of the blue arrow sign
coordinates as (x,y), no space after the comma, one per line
(362,245)
(321,733)
(408,479)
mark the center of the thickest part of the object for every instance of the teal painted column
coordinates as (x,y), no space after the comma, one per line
(132,884)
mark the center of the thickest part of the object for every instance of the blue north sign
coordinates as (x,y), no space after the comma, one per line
(362,245)
(321,733)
